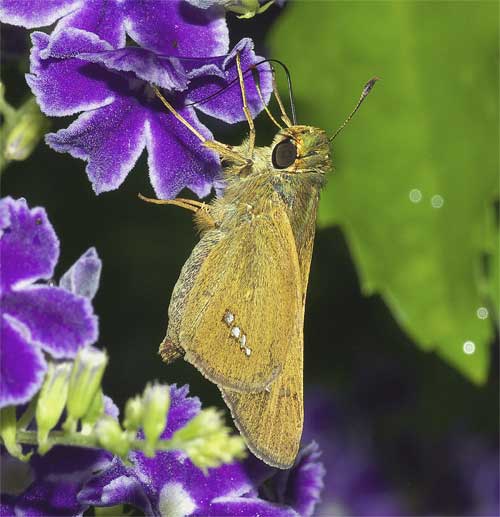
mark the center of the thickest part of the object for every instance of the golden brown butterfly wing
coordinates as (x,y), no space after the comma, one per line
(242,313)
(271,421)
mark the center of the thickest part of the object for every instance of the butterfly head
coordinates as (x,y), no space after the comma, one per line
(301,149)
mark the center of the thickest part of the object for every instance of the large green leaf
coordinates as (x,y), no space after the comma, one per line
(416,171)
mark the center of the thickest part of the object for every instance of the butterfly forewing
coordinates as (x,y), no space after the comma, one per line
(241,317)
(271,421)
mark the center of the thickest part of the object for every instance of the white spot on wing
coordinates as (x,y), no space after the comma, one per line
(228,318)
(235,332)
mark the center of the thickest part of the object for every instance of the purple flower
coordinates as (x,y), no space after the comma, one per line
(37,318)
(299,487)
(49,484)
(75,71)
(169,483)
(463,475)
(170,27)
(354,485)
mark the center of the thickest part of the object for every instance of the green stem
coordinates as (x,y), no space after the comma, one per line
(89,440)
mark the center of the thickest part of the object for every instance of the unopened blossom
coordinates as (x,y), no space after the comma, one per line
(170,484)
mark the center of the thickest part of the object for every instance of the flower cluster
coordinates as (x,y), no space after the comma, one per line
(164,458)
(64,448)
(84,66)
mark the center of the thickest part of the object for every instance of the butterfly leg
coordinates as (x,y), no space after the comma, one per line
(246,110)
(226,151)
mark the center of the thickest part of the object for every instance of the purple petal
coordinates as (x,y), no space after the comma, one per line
(301,486)
(110,408)
(232,506)
(59,476)
(82,278)
(4,216)
(48,498)
(164,71)
(67,86)
(64,462)
(110,139)
(182,409)
(159,472)
(228,104)
(29,247)
(115,485)
(101,17)
(7,505)
(176,28)
(35,13)
(176,157)
(60,322)
(22,365)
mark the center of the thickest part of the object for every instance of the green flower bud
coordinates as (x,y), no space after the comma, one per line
(112,437)
(133,414)
(156,401)
(247,8)
(27,130)
(84,383)
(95,411)
(207,441)
(8,429)
(51,401)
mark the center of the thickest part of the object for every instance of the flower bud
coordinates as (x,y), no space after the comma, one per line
(51,401)
(133,414)
(8,429)
(207,442)
(84,383)
(156,401)
(95,411)
(29,127)
(247,8)
(111,436)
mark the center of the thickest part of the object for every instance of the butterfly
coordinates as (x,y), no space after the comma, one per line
(237,310)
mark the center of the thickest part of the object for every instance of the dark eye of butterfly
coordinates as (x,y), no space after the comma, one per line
(284,154)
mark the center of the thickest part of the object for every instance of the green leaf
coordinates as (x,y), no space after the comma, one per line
(427,132)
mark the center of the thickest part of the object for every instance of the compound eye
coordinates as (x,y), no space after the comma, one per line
(284,154)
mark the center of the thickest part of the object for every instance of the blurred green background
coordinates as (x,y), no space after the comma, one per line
(407,248)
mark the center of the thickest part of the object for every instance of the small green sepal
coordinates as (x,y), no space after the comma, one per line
(207,440)
(29,127)
(112,437)
(8,430)
(51,401)
(85,381)
(156,401)
(134,412)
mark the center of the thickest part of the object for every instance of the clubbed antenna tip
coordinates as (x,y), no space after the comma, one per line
(366,90)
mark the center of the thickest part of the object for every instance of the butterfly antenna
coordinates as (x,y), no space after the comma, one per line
(266,109)
(275,91)
(284,115)
(366,90)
